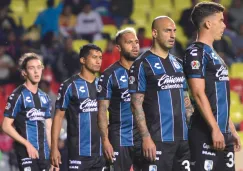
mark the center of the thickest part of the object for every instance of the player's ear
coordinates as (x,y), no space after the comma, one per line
(154,33)
(207,24)
(82,60)
(118,47)
(23,73)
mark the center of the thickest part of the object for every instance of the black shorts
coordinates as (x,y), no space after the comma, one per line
(170,156)
(28,164)
(125,158)
(86,163)
(203,157)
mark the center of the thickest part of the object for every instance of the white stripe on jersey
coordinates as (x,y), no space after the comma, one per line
(173,125)
(23,100)
(182,114)
(65,94)
(149,65)
(117,80)
(76,89)
(226,106)
(160,117)
(120,123)
(37,135)
(217,101)
(87,87)
(139,75)
(15,104)
(90,135)
(107,92)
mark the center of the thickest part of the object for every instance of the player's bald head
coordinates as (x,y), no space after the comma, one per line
(161,20)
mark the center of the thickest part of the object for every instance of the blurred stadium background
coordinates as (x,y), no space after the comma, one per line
(24,28)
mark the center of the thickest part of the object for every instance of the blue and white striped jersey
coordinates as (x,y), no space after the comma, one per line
(29,112)
(162,82)
(78,98)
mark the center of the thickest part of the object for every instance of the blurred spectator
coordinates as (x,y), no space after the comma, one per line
(238,43)
(144,43)
(89,24)
(121,11)
(49,49)
(6,22)
(66,64)
(48,19)
(225,49)
(67,21)
(235,14)
(7,65)
(45,85)
(177,50)
(110,55)
(76,5)
(13,48)
(185,20)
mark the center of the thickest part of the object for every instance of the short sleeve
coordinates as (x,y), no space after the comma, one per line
(137,78)
(13,105)
(64,96)
(194,63)
(105,86)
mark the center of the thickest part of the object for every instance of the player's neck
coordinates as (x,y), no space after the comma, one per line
(87,75)
(126,63)
(205,38)
(159,51)
(33,87)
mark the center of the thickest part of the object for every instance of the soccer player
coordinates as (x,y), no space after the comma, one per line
(212,135)
(121,140)
(27,117)
(77,99)
(156,84)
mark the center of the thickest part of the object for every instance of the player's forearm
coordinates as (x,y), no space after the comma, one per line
(55,130)
(48,131)
(205,109)
(103,120)
(138,112)
(10,130)
(232,126)
(188,105)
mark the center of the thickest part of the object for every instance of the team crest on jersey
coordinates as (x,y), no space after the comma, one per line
(208,165)
(27,168)
(131,79)
(195,64)
(8,105)
(152,168)
(99,88)
(43,99)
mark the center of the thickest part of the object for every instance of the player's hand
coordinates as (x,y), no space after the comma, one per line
(31,150)
(108,150)
(55,158)
(149,149)
(237,143)
(218,139)
(53,168)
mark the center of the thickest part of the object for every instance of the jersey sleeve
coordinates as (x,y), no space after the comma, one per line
(49,109)
(13,106)
(64,96)
(105,86)
(137,77)
(194,63)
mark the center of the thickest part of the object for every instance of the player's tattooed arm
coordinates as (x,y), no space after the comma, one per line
(103,119)
(188,105)
(138,112)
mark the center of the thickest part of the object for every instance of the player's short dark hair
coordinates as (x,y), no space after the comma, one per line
(25,58)
(50,3)
(84,51)
(204,9)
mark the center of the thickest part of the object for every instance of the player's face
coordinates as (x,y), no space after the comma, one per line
(218,25)
(93,61)
(33,71)
(166,34)
(129,46)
